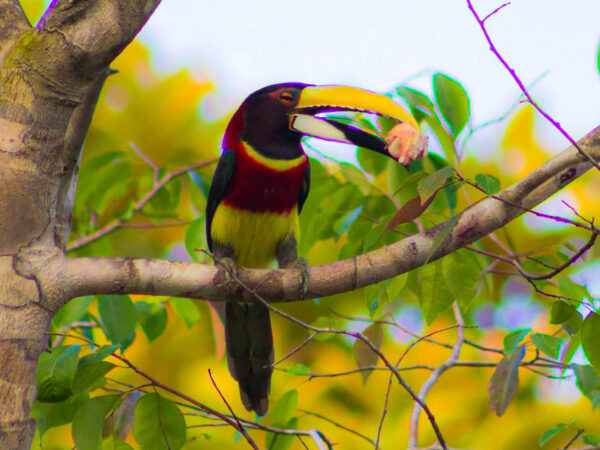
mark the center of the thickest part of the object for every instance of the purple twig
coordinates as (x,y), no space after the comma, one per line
(515,77)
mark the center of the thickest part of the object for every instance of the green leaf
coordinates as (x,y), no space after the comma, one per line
(566,315)
(462,275)
(73,311)
(50,415)
(505,380)
(109,184)
(373,163)
(87,375)
(550,345)
(595,397)
(55,372)
(120,421)
(298,369)
(586,379)
(590,339)
(490,184)
(420,105)
(453,102)
(89,173)
(159,424)
(444,138)
(96,164)
(561,312)
(166,200)
(598,59)
(152,318)
(277,441)
(87,424)
(512,340)
(396,285)
(200,181)
(285,407)
(547,435)
(118,316)
(363,355)
(374,294)
(409,211)
(114,442)
(572,290)
(186,309)
(573,325)
(374,235)
(441,236)
(195,239)
(357,177)
(355,237)
(572,347)
(435,295)
(98,355)
(434,182)
(591,439)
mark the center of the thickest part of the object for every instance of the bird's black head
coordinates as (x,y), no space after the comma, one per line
(266,120)
(274,119)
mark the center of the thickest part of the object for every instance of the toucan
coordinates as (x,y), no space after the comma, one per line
(257,192)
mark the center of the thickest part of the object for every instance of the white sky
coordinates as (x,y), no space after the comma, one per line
(245,45)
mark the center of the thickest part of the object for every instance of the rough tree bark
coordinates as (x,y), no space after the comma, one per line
(50,78)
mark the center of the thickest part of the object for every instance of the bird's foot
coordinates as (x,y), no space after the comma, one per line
(301,264)
(227,274)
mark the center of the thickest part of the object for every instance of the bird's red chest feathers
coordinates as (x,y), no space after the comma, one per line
(265,185)
(259,183)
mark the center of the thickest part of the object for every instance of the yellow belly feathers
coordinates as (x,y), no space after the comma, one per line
(253,236)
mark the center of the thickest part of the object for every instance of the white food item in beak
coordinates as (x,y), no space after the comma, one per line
(406,143)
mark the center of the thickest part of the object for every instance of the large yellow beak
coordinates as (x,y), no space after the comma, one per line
(346,98)
(404,142)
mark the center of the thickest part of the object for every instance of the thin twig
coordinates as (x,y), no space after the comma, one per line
(574,438)
(393,323)
(260,426)
(384,411)
(433,378)
(515,77)
(338,425)
(59,339)
(296,350)
(367,369)
(148,161)
(389,387)
(495,11)
(240,426)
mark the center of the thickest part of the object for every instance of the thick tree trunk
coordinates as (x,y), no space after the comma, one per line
(37,170)
(50,78)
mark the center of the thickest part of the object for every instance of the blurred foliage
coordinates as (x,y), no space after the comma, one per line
(145,119)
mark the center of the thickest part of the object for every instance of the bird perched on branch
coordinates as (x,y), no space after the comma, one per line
(259,187)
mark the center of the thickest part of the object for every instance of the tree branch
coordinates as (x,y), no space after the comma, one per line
(433,378)
(88,276)
(95,32)
(513,74)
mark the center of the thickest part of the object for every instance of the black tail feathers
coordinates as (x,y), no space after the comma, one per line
(249,344)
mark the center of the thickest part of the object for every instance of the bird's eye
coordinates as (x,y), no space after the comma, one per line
(286,97)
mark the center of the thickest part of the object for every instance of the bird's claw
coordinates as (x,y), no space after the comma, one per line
(301,264)
(228,270)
